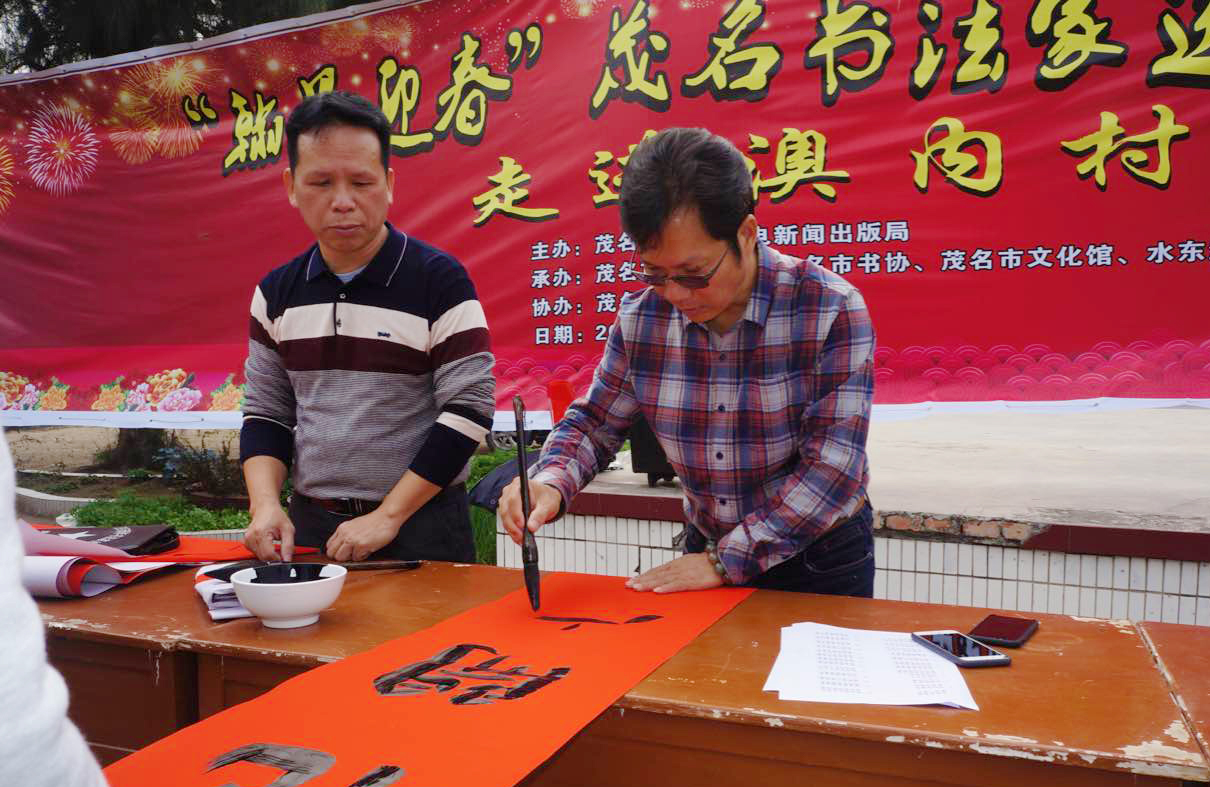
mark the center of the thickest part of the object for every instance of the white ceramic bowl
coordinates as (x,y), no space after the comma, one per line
(287,606)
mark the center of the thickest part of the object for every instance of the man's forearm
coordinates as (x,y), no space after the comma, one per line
(407,496)
(264,476)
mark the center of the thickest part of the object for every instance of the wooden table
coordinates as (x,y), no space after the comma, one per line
(1083,703)
(1183,655)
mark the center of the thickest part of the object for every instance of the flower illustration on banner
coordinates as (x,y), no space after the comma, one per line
(227,396)
(26,398)
(6,177)
(55,397)
(180,400)
(166,391)
(111,397)
(164,383)
(61,151)
(11,387)
(136,398)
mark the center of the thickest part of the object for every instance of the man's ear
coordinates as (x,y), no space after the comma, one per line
(287,179)
(747,234)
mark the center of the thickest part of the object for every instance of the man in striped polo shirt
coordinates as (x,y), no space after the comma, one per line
(755,372)
(369,364)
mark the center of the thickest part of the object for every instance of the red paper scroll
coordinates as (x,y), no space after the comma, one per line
(478,700)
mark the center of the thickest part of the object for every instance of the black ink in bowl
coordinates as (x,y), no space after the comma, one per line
(287,573)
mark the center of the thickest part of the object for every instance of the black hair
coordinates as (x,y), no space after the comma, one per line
(338,108)
(685,168)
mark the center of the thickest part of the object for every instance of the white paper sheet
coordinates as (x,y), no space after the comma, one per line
(820,663)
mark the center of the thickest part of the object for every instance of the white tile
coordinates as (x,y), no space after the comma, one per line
(979,592)
(1055,601)
(1138,573)
(979,560)
(611,559)
(935,596)
(950,561)
(1172,576)
(995,562)
(582,557)
(907,588)
(1155,575)
(907,558)
(645,559)
(949,589)
(1011,557)
(1187,611)
(596,558)
(1071,571)
(1121,573)
(965,590)
(1041,567)
(1101,601)
(1203,612)
(577,527)
(1138,606)
(1188,578)
(922,583)
(500,546)
(966,559)
(1071,599)
(894,553)
(923,550)
(645,532)
(880,550)
(1203,581)
(1171,609)
(1088,572)
(1012,596)
(894,585)
(1087,602)
(880,584)
(1027,599)
(1119,608)
(1154,607)
(936,564)
(1104,572)
(995,593)
(631,560)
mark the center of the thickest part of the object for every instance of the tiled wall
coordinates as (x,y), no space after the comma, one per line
(939,572)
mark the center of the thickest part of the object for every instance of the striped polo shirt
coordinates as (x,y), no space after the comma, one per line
(356,383)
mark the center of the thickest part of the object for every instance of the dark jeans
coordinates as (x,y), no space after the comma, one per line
(840,563)
(440,530)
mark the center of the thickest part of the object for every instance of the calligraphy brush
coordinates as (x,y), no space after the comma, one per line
(529,546)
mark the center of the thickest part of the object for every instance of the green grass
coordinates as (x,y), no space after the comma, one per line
(131,509)
(483,522)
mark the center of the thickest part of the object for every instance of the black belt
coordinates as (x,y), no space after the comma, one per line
(345,506)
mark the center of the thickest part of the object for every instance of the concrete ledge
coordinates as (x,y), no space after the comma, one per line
(41,504)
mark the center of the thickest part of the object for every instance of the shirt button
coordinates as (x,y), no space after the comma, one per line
(342,296)
(722,356)
(722,501)
(718,455)
(338,323)
(722,408)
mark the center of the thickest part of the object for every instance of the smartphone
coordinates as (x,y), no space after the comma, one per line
(1004,630)
(961,649)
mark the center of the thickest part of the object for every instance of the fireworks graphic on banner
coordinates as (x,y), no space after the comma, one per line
(389,34)
(581,9)
(61,150)
(148,110)
(6,175)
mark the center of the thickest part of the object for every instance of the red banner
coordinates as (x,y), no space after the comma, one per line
(1017,188)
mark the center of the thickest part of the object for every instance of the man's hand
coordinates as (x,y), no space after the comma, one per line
(270,523)
(687,572)
(544,499)
(358,537)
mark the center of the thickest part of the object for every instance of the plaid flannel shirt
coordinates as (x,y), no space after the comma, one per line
(765,425)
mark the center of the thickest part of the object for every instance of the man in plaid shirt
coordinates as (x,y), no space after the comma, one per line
(755,372)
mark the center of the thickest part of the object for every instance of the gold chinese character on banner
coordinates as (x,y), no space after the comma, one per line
(1185,61)
(322,81)
(856,28)
(607,186)
(946,147)
(629,55)
(930,55)
(1110,140)
(507,195)
(463,102)
(1075,40)
(398,96)
(257,135)
(983,64)
(801,158)
(734,71)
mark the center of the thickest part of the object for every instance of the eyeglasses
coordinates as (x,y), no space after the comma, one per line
(690,281)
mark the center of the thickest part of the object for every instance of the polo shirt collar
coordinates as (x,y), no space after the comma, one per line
(380,270)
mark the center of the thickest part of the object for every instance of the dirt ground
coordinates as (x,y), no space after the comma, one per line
(73,448)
